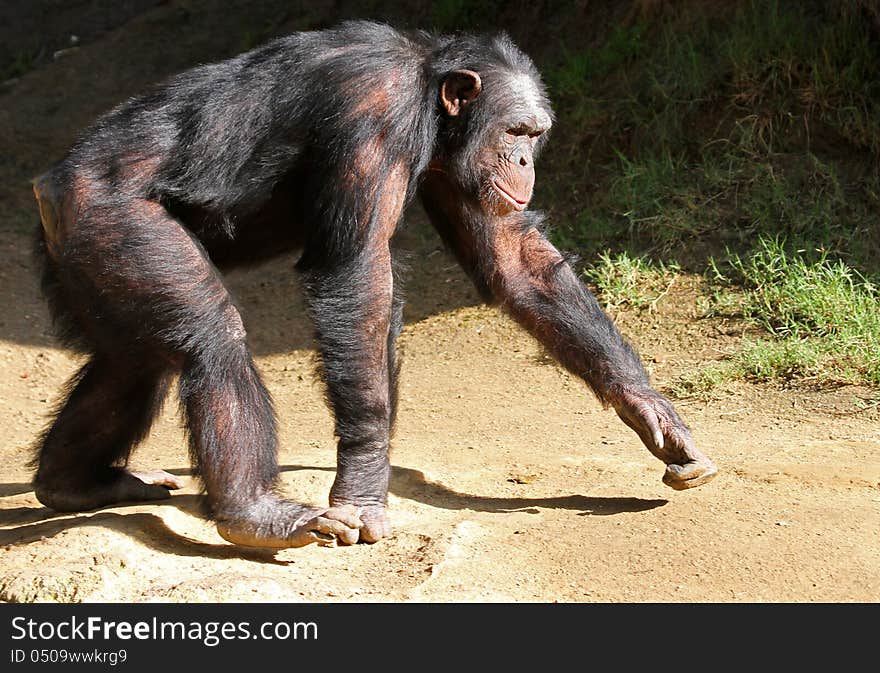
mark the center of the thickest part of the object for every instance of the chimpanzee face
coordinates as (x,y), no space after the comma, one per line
(496,163)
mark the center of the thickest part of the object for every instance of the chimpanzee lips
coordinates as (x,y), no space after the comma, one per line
(516,202)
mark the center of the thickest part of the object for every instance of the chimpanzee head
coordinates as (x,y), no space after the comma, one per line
(496,117)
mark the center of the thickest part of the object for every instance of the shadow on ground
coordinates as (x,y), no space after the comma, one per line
(26,524)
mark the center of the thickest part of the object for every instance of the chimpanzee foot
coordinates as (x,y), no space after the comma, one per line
(324,526)
(116,486)
(661,430)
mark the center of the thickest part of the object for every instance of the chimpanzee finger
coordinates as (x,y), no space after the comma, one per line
(376,524)
(644,421)
(326,532)
(349,515)
(343,522)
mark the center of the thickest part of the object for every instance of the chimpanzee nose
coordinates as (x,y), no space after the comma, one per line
(522,157)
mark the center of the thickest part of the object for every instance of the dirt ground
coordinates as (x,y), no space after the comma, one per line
(510,482)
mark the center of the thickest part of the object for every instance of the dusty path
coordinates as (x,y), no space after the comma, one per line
(510,482)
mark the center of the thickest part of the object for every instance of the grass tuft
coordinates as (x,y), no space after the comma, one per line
(822,319)
(635,282)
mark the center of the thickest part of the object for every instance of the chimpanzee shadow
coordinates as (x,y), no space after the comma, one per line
(413,485)
(33,523)
(14,489)
(149,529)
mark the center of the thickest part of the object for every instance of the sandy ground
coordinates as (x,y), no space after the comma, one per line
(510,482)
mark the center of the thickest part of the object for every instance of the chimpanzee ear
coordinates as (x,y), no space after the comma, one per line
(458,89)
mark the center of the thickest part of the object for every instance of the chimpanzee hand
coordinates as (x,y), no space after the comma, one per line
(667,437)
(374,520)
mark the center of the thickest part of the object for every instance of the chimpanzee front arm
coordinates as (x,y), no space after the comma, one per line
(513,264)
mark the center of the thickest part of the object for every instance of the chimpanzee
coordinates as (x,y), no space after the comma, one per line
(314,143)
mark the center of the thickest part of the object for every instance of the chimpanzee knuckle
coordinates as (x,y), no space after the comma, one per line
(689,475)
(347,516)
(375,531)
(376,524)
(326,530)
(371,535)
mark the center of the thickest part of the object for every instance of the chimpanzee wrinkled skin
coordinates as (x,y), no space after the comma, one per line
(313,143)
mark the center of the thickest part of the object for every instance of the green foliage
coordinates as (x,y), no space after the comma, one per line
(652,196)
(793,297)
(703,380)
(666,200)
(577,70)
(457,15)
(631,281)
(713,126)
(821,316)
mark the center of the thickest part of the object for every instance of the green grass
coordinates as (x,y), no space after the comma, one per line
(669,201)
(634,282)
(821,317)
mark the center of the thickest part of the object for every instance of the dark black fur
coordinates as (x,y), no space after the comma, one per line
(287,147)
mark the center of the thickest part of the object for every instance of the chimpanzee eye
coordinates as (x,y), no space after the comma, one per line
(525,130)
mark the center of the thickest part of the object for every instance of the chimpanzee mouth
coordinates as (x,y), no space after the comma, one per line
(517,203)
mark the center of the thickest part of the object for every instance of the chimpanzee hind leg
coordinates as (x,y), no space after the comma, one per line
(150,283)
(233,443)
(110,408)
(233,437)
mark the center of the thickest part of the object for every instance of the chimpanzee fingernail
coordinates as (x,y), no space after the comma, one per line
(658,438)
